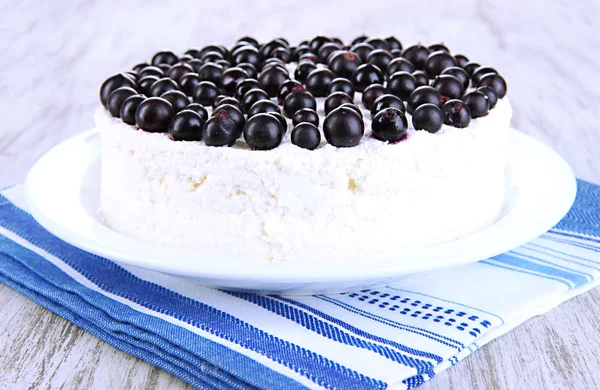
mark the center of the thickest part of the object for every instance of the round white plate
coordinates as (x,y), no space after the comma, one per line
(63,196)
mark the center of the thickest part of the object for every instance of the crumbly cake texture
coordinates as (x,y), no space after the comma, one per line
(292,204)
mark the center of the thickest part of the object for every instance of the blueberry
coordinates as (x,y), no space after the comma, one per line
(231,78)
(186,126)
(359,39)
(193,52)
(164,68)
(439,47)
(306,115)
(116,99)
(213,48)
(271,79)
(401,84)
(198,109)
(138,68)
(326,50)
(396,53)
(184,59)
(129,107)
(362,50)
(303,70)
(471,67)
(263,132)
(298,51)
(378,43)
(343,127)
(251,97)
(423,95)
(163,85)
(145,83)
(400,64)
(177,99)
(344,63)
(297,100)
(385,101)
(271,62)
(250,40)
(491,95)
(380,58)
(317,42)
(352,107)
(494,81)
(371,93)
(318,82)
(188,82)
(228,100)
(461,60)
(456,113)
(341,85)
(390,125)
(417,55)
(249,68)
(335,100)
(220,130)
(365,75)
(306,135)
(428,117)
(243,87)
(480,72)
(234,114)
(268,48)
(393,43)
(437,61)
(421,78)
(133,76)
(285,89)
(247,54)
(282,53)
(211,72)
(205,93)
(196,64)
(164,57)
(223,63)
(459,73)
(154,115)
(478,103)
(178,71)
(112,83)
(263,106)
(281,120)
(308,57)
(212,56)
(448,86)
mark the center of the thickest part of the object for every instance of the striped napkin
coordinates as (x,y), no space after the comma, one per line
(397,336)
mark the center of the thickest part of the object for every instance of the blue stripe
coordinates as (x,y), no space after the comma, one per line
(412,329)
(540,247)
(590,277)
(327,330)
(360,332)
(560,258)
(448,301)
(573,278)
(493,264)
(581,236)
(571,242)
(116,280)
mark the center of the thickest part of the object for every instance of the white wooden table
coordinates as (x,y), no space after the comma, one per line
(54,55)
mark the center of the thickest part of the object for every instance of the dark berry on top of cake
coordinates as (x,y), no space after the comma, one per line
(217,95)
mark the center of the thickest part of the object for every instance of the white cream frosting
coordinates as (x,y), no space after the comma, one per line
(292,204)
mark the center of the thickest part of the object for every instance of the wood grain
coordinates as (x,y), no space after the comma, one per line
(55,55)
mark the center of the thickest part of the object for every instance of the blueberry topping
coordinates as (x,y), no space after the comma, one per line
(448,86)
(456,113)
(205,93)
(116,99)
(145,83)
(344,63)
(247,54)
(359,39)
(198,109)
(269,47)
(461,60)
(297,100)
(249,68)
(362,50)
(400,64)
(365,75)
(250,40)
(303,70)
(177,99)
(335,100)
(495,82)
(213,48)
(421,78)
(132,75)
(385,101)
(151,71)
(352,107)
(186,126)
(164,68)
(112,83)
(285,89)
(318,41)
(343,127)
(389,124)
(251,97)
(371,93)
(227,100)
(220,130)
(417,55)
(263,106)
(129,107)
(401,84)
(480,72)
(263,132)
(423,95)
(341,85)
(196,64)
(428,117)
(478,103)
(231,78)
(439,47)
(380,58)
(471,67)
(326,50)
(459,73)
(281,120)
(212,56)
(188,82)
(193,52)
(178,71)
(491,95)
(282,53)
(393,43)
(234,114)
(437,61)
(318,82)
(243,87)
(298,51)
(164,57)
(271,79)
(306,115)
(378,43)
(154,115)
(396,53)
(163,85)
(211,72)
(306,135)
(140,66)
(308,57)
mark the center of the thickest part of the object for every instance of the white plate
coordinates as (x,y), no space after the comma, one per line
(63,196)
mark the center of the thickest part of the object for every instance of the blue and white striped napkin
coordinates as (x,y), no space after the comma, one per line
(396,336)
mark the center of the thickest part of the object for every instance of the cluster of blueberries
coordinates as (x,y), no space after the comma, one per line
(170,93)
